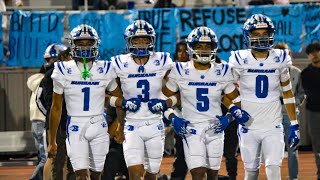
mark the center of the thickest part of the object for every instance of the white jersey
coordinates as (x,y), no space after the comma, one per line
(260,85)
(84,97)
(200,90)
(142,81)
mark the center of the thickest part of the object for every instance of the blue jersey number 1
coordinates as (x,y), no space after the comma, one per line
(262,86)
(144,84)
(203,100)
(86,100)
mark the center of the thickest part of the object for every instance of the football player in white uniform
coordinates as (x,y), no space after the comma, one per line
(201,83)
(83,82)
(141,72)
(262,71)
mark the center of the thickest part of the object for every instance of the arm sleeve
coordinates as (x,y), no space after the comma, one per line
(172,84)
(285,60)
(57,87)
(112,72)
(233,64)
(229,87)
(112,85)
(169,63)
(58,79)
(285,75)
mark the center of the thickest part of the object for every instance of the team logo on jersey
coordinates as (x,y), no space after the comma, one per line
(160,126)
(74,128)
(104,124)
(69,71)
(187,72)
(125,65)
(100,70)
(157,62)
(130,128)
(245,61)
(276,59)
(218,72)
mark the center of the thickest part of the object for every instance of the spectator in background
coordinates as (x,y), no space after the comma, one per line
(181,54)
(77,3)
(310,77)
(281,2)
(37,121)
(18,3)
(167,4)
(299,97)
(260,2)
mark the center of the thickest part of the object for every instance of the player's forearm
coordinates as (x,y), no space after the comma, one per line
(114,101)
(173,100)
(120,115)
(289,103)
(291,111)
(54,121)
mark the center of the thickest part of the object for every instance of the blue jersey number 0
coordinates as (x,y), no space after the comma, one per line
(203,100)
(86,100)
(262,86)
(144,84)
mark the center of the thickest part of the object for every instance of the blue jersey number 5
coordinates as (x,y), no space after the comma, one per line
(203,100)
(86,99)
(262,86)
(144,84)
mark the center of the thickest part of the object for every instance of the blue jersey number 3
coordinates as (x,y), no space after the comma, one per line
(86,99)
(144,84)
(203,100)
(262,86)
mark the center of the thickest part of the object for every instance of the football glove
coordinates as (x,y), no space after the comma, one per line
(157,105)
(179,125)
(294,135)
(241,116)
(132,104)
(222,125)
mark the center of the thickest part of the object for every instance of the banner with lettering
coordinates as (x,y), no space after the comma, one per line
(164,23)
(110,27)
(288,21)
(226,22)
(30,34)
(312,23)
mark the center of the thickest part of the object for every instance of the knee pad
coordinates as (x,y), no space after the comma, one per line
(273,172)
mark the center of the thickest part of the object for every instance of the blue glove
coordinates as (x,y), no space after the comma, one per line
(241,116)
(179,125)
(294,135)
(157,105)
(222,125)
(132,104)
